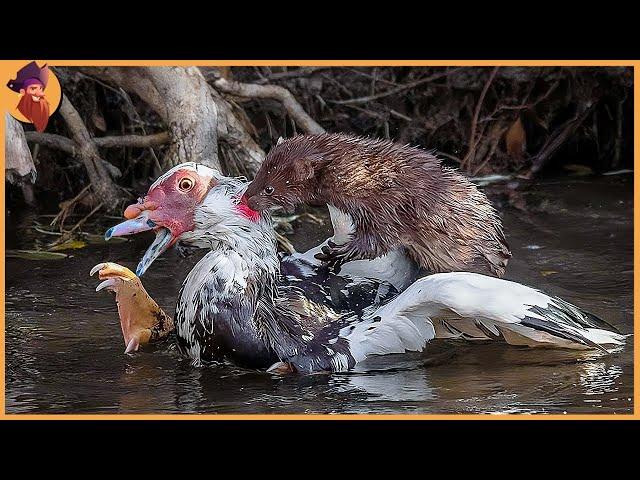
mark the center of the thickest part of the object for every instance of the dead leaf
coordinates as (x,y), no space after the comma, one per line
(578,170)
(68,245)
(98,121)
(93,239)
(546,273)
(225,72)
(516,139)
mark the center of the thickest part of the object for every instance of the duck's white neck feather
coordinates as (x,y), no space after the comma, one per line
(218,222)
(242,261)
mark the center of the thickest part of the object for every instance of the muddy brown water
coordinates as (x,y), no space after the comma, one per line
(64,350)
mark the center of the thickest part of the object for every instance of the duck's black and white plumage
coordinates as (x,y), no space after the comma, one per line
(236,303)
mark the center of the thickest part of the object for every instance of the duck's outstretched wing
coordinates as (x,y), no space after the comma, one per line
(473,306)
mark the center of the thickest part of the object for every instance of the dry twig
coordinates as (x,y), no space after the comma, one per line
(68,206)
(300,72)
(468,158)
(398,89)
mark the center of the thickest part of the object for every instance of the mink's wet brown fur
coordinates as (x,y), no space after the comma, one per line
(397,195)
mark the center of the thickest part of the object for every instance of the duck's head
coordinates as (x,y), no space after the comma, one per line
(191,203)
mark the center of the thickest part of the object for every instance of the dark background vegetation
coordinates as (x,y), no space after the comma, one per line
(523,122)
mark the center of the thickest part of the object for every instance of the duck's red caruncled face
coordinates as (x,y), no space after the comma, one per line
(169,208)
(171,203)
(172,200)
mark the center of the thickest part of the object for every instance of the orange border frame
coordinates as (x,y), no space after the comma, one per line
(475,63)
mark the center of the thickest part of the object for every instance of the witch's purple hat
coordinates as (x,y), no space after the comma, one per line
(28,75)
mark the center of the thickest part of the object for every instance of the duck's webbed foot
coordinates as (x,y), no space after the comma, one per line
(141,319)
(281,368)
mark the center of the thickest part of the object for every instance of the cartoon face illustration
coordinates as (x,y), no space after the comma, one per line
(31,83)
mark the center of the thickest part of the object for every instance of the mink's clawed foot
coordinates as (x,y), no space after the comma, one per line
(335,255)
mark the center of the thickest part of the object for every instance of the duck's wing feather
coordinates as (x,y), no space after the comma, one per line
(459,305)
(474,306)
(307,336)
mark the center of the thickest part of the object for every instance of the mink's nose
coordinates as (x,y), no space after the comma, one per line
(253,203)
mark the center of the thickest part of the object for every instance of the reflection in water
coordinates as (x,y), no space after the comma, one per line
(397,386)
(64,351)
(598,379)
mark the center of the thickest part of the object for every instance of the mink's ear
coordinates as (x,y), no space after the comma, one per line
(302,169)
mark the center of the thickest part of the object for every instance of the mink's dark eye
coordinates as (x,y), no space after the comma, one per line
(185,184)
(268,190)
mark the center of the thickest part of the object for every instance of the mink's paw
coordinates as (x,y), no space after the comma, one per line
(328,252)
(335,255)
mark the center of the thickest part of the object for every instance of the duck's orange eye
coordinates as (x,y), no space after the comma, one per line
(185,184)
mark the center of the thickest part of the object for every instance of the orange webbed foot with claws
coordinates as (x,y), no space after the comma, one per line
(141,319)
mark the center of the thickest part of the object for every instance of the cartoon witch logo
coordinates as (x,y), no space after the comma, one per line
(31,83)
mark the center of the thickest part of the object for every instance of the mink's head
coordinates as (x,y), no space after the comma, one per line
(286,176)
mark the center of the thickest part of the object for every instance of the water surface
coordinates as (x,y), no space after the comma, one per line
(572,238)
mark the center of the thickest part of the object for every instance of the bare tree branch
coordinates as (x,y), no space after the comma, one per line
(299,72)
(560,136)
(67,145)
(274,92)
(396,90)
(228,129)
(190,113)
(474,122)
(247,153)
(99,176)
(53,140)
(117,141)
(180,95)
(133,141)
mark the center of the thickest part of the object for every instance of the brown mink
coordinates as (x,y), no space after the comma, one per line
(397,196)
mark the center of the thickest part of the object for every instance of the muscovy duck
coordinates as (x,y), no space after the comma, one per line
(234,305)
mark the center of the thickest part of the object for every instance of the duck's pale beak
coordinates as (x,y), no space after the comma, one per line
(164,239)
(142,223)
